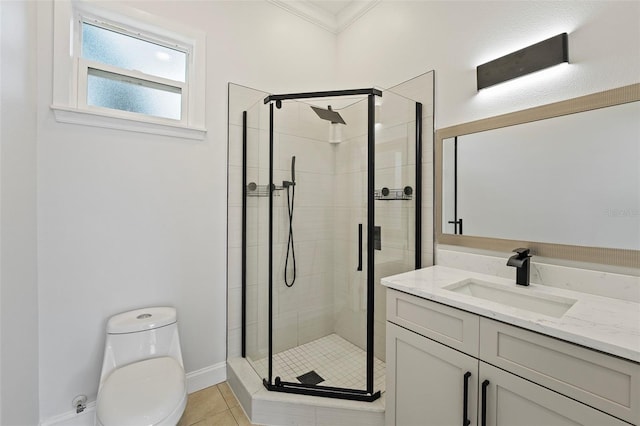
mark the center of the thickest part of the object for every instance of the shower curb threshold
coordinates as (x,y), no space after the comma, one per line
(275,408)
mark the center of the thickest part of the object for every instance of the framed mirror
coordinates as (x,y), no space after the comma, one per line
(562,179)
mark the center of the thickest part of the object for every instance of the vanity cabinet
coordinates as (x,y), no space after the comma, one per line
(447,367)
(510,400)
(433,384)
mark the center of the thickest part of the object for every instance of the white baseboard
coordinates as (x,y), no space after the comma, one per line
(205,377)
(196,380)
(70,418)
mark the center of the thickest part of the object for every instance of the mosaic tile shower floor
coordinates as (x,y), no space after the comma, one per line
(339,362)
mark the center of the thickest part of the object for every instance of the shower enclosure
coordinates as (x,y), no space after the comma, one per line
(329,186)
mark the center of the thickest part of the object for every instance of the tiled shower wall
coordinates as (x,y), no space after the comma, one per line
(395,168)
(304,311)
(329,294)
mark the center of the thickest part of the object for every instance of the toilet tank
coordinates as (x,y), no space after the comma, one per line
(141,334)
(141,320)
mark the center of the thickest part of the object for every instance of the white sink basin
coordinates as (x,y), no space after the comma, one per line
(521,298)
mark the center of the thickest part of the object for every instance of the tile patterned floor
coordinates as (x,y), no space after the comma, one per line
(214,406)
(339,362)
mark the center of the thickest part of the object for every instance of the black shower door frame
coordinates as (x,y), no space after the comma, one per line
(276,384)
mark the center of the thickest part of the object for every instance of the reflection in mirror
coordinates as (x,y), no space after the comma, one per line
(451,223)
(569,180)
(570,177)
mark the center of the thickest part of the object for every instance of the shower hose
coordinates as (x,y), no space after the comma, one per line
(290,248)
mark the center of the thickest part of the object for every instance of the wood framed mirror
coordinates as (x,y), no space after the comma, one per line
(562,179)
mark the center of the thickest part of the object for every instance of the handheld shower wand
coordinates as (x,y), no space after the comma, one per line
(290,200)
(292,182)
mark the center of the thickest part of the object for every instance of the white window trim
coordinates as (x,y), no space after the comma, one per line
(69,83)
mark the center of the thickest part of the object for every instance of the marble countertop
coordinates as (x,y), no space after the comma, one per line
(601,323)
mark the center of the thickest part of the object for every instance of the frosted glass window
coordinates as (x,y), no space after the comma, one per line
(109,90)
(131,53)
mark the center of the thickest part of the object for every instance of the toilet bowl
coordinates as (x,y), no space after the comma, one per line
(142,381)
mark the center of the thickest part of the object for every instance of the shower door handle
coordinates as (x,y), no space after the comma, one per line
(359,247)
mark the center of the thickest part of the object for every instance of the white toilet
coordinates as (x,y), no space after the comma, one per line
(142,381)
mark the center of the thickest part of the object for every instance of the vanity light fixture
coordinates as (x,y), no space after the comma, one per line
(545,54)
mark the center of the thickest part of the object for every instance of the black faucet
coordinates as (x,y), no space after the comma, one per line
(521,262)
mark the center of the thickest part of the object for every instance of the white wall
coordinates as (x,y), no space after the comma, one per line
(18,281)
(399,39)
(128,220)
(454,37)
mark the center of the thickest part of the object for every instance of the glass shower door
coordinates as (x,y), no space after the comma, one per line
(249,169)
(398,192)
(303,220)
(320,247)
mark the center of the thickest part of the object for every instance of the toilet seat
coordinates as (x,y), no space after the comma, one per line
(149,392)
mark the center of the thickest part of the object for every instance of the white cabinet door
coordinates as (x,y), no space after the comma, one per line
(513,401)
(426,382)
(602,381)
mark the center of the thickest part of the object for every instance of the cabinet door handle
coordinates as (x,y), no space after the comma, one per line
(485,384)
(465,400)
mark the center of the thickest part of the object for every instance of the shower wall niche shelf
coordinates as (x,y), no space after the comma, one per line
(255,190)
(386,194)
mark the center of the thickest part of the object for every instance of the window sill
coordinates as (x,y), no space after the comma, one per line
(90,118)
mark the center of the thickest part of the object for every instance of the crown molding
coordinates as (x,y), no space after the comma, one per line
(320,17)
(354,11)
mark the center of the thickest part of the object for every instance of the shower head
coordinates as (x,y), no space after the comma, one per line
(328,114)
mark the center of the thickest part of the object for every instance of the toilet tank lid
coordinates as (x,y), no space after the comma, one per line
(141,320)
